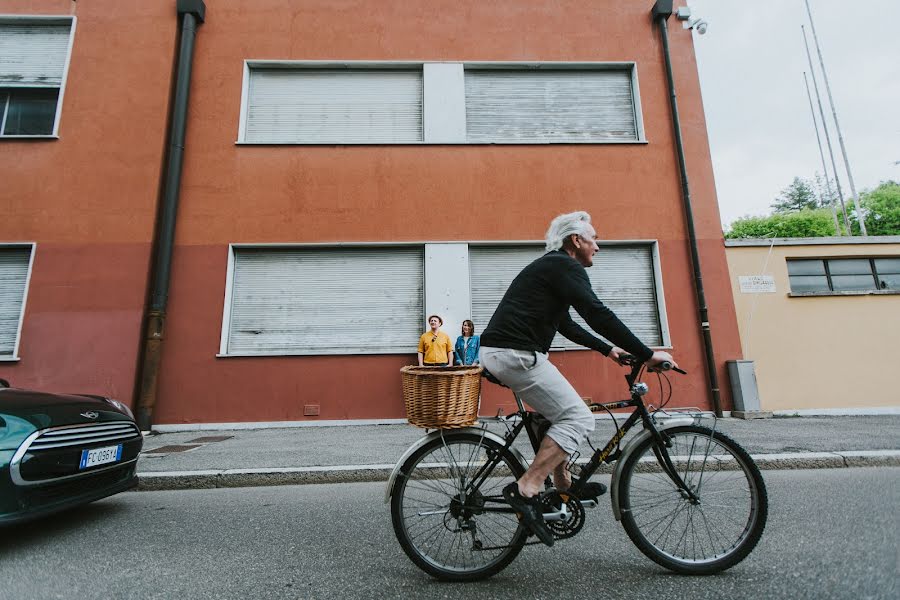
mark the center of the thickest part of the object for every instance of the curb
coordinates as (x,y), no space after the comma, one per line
(235,478)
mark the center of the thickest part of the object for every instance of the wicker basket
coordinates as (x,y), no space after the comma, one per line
(441,397)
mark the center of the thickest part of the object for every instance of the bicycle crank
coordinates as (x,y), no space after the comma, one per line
(563,513)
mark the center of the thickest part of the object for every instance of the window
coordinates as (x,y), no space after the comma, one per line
(372,299)
(578,105)
(843,274)
(317,300)
(34,55)
(623,276)
(330,106)
(439,103)
(15,265)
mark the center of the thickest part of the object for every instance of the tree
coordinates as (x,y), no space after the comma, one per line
(799,195)
(804,223)
(882,209)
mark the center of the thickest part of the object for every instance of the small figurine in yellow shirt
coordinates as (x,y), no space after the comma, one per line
(435,347)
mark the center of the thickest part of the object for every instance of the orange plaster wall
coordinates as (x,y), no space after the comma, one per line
(297,194)
(88,199)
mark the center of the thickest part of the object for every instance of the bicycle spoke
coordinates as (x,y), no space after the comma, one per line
(709,528)
(442,515)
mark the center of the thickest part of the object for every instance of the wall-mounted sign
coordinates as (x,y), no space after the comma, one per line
(757,284)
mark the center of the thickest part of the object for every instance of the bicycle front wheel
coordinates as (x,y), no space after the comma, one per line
(450,528)
(700,535)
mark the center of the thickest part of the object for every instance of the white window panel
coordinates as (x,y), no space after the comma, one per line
(334,106)
(622,277)
(547,106)
(33,54)
(15,262)
(366,300)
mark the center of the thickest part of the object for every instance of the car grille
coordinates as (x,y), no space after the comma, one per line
(97,483)
(81,435)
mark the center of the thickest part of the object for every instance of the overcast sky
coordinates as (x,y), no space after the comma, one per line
(751,62)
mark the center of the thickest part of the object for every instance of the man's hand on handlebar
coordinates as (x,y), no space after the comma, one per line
(661,361)
(616,355)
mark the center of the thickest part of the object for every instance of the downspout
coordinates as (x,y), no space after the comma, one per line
(661,11)
(191,13)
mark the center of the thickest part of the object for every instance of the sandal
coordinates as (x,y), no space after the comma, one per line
(530,511)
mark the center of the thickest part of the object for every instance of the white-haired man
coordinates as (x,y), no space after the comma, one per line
(515,344)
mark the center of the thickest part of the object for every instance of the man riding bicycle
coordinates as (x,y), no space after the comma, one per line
(515,345)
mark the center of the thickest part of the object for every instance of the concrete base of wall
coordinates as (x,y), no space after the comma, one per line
(838,412)
(752,414)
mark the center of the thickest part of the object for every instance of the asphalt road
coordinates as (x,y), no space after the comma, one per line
(830,534)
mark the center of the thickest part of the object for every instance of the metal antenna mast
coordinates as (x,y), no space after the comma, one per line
(837,181)
(855,196)
(812,112)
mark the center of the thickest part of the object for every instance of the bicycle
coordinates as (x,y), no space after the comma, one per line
(689,497)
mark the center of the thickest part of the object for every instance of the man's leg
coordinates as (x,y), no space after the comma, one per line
(549,457)
(562,479)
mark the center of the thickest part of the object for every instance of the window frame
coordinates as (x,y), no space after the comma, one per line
(824,260)
(428,126)
(662,312)
(428,292)
(32,247)
(71,20)
(229,294)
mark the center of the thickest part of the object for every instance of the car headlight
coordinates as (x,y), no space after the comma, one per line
(120,406)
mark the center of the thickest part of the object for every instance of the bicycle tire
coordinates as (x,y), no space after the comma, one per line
(660,520)
(433,538)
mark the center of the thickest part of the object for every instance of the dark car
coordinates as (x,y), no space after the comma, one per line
(62,450)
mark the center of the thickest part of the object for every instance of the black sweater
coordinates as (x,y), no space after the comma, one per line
(536,306)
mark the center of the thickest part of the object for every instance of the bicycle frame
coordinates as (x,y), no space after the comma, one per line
(654,426)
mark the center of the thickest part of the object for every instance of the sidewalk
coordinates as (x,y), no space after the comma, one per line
(237,458)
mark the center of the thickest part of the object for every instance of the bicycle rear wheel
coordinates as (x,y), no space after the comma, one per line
(700,537)
(451,532)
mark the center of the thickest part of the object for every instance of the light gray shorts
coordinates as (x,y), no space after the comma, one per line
(539,383)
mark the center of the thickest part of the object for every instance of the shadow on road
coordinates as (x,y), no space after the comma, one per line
(24,536)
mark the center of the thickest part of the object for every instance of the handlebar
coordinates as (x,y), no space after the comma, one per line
(634,363)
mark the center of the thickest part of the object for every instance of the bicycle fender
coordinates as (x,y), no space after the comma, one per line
(629,448)
(437,434)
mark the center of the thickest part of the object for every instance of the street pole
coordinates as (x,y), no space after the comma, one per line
(812,112)
(837,181)
(837,125)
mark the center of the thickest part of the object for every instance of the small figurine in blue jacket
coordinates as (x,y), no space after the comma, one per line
(467,345)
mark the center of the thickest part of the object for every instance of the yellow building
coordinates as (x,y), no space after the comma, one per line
(820,317)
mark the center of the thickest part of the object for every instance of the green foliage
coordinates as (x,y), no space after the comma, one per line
(882,210)
(799,195)
(804,210)
(805,223)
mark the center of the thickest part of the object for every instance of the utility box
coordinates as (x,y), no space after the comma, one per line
(743,385)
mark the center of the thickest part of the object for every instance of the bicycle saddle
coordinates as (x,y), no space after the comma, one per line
(490,377)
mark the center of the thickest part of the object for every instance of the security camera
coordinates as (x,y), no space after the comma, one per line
(700,25)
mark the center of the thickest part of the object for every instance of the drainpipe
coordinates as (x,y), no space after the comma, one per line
(191,13)
(661,11)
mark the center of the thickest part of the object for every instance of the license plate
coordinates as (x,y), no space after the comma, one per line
(100,456)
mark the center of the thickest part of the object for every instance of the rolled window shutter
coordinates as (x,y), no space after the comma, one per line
(327,301)
(33,54)
(528,106)
(13,276)
(333,106)
(622,277)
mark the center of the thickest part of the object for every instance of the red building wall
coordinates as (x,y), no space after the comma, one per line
(88,199)
(104,206)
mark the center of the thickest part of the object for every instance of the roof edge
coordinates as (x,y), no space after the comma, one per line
(815,241)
